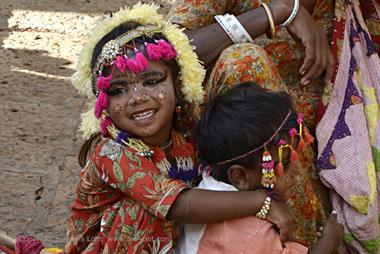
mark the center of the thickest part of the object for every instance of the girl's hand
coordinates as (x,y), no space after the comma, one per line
(280,216)
(318,54)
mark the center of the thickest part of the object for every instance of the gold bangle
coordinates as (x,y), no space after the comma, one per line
(271,20)
(262,214)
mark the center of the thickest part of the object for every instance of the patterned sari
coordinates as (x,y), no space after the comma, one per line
(349,131)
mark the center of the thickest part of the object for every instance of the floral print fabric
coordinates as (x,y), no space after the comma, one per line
(284,52)
(121,205)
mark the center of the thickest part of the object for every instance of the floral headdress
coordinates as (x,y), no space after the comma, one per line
(177,46)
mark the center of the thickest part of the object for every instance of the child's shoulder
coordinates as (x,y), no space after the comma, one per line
(108,151)
(108,147)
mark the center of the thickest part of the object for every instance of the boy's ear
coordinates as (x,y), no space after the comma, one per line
(237,175)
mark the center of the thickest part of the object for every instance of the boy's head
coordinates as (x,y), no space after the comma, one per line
(237,122)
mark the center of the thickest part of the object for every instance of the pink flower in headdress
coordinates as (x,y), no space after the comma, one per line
(140,58)
(281,142)
(293,132)
(153,51)
(101,104)
(133,65)
(139,64)
(121,63)
(300,118)
(104,124)
(167,50)
(103,82)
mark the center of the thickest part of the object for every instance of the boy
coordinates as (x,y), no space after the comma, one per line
(248,138)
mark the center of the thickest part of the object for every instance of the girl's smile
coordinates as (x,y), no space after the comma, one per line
(143,104)
(143,116)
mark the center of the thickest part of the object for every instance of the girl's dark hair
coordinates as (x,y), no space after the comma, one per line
(236,122)
(138,42)
(86,147)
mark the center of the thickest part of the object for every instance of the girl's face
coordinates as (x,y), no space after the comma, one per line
(143,104)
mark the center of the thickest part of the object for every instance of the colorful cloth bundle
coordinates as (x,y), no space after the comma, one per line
(349,132)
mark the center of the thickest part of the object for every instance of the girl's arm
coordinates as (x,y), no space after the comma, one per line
(168,198)
(203,206)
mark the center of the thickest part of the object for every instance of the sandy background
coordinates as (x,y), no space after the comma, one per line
(39,111)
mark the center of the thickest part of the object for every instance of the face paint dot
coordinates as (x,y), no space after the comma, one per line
(117,108)
(146,131)
(161,95)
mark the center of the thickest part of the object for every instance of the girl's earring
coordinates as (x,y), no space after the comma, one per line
(268,179)
(178,112)
(178,109)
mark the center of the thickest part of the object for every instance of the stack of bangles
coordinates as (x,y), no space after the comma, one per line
(238,34)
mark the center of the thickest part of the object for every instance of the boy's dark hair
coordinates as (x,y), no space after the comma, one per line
(236,122)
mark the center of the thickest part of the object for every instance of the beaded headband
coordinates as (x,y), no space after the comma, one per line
(257,148)
(191,71)
(114,47)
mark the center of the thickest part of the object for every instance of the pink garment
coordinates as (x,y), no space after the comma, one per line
(244,235)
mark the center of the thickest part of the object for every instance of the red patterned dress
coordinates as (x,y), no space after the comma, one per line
(121,204)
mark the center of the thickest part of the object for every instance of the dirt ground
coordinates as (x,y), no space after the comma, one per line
(39,111)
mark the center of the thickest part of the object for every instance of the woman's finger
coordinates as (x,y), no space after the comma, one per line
(321,59)
(309,56)
(330,68)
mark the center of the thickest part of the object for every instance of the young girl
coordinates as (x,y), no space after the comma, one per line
(258,146)
(133,187)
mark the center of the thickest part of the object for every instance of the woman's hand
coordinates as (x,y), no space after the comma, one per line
(333,230)
(331,238)
(280,216)
(318,54)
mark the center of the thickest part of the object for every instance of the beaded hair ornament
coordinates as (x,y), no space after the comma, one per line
(175,46)
(269,169)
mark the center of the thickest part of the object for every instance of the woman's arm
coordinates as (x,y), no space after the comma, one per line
(211,40)
(309,5)
(204,206)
